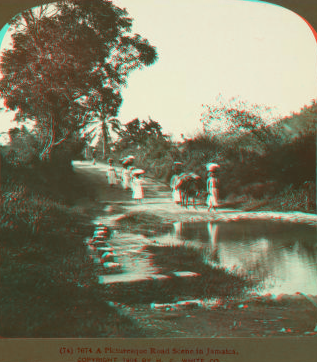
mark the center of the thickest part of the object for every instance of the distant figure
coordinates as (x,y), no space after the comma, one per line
(125,177)
(137,185)
(112,175)
(94,154)
(130,169)
(176,192)
(212,192)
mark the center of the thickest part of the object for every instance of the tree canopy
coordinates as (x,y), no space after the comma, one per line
(68,64)
(140,132)
(237,117)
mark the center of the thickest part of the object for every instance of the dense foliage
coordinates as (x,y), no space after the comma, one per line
(65,73)
(65,70)
(67,65)
(268,164)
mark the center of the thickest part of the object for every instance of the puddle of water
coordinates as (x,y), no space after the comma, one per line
(281,257)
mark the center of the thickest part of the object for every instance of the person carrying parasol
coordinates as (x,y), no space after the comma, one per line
(125,176)
(137,185)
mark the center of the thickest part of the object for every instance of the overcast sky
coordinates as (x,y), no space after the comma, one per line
(260,52)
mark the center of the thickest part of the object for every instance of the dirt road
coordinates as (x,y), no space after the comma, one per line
(158,201)
(252,317)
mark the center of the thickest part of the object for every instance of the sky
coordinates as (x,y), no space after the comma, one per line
(259,52)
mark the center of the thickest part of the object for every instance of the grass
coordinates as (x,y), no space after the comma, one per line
(212,282)
(55,312)
(48,282)
(289,199)
(144,223)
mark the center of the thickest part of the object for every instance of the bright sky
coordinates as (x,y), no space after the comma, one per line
(260,52)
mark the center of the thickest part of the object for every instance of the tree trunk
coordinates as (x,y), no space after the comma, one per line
(105,140)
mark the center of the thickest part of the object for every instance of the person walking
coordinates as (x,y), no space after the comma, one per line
(112,175)
(125,176)
(131,169)
(94,155)
(212,190)
(176,193)
(138,193)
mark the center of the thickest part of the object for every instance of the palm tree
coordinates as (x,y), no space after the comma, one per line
(107,125)
(101,128)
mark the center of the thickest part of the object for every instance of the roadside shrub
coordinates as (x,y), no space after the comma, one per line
(302,198)
(293,162)
(23,148)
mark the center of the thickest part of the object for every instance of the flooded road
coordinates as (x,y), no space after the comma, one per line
(281,257)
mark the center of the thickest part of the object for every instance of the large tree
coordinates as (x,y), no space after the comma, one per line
(248,127)
(68,64)
(141,133)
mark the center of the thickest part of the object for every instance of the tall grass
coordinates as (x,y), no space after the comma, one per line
(48,282)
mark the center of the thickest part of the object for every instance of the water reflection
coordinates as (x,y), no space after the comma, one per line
(213,234)
(177,229)
(277,257)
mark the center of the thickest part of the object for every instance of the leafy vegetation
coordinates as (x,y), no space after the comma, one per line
(265,163)
(48,282)
(64,74)
(67,66)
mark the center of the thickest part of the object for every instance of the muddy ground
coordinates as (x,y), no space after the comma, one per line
(243,316)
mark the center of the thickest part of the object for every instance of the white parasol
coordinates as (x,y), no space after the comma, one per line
(212,166)
(138,171)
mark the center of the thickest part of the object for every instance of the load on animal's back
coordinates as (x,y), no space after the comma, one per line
(190,186)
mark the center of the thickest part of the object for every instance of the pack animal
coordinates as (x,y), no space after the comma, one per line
(190,186)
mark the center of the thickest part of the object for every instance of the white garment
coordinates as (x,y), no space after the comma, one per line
(125,178)
(112,177)
(176,193)
(137,189)
(212,192)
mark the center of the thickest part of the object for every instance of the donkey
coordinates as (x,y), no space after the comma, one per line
(190,186)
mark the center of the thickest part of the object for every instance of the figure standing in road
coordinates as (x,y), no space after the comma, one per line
(212,190)
(138,194)
(94,155)
(176,193)
(112,175)
(125,176)
(130,169)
